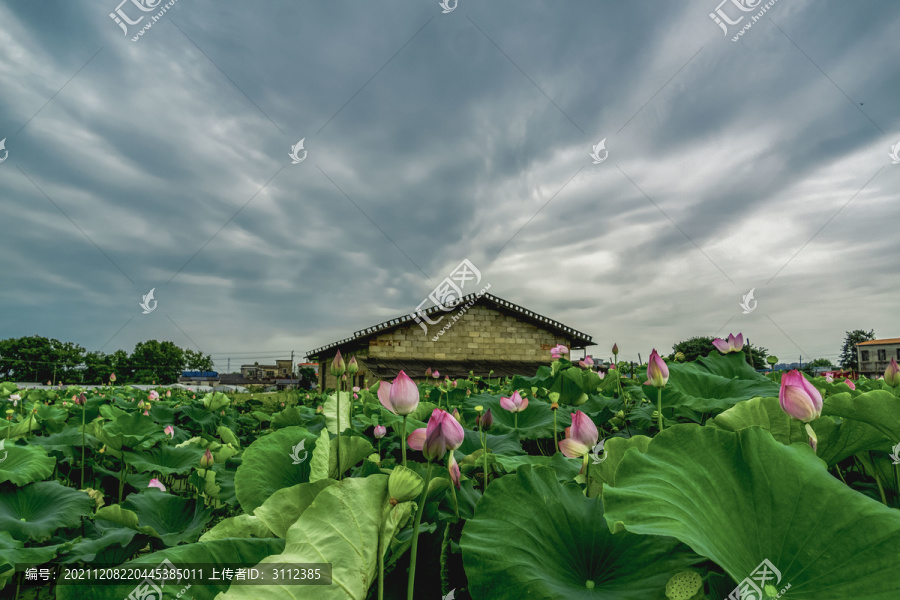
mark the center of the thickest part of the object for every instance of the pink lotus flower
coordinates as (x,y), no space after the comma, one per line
(892,373)
(380,431)
(154,395)
(514,403)
(355,388)
(559,349)
(169,431)
(734,343)
(601,374)
(799,398)
(156,483)
(850,384)
(443,433)
(454,470)
(587,363)
(400,397)
(580,438)
(435,374)
(657,370)
(146,413)
(829,379)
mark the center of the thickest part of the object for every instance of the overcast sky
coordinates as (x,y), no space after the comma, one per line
(429,138)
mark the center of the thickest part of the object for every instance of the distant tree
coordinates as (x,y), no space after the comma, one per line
(195,361)
(151,361)
(849,358)
(307,378)
(818,362)
(40,359)
(700,346)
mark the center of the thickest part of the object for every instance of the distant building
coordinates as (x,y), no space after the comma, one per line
(210,378)
(491,334)
(875,356)
(280,375)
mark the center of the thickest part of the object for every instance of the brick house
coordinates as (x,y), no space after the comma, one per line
(875,356)
(481,334)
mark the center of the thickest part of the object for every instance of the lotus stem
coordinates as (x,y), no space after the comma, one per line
(83,412)
(484,447)
(340,385)
(415,536)
(452,485)
(659,407)
(516,421)
(403,441)
(555,439)
(878,480)
(122,477)
(380,567)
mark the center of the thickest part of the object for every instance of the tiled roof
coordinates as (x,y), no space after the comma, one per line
(579,339)
(877,342)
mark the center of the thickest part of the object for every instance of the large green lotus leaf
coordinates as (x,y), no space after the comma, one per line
(13,553)
(114,514)
(24,464)
(535,422)
(226,551)
(15,429)
(507,443)
(741,498)
(165,459)
(66,443)
(37,510)
(268,465)
(215,401)
(534,537)
(330,411)
(877,408)
(836,441)
(175,520)
(320,462)
(290,416)
(614,449)
(133,431)
(52,418)
(118,543)
(228,436)
(284,507)
(712,384)
(341,527)
(199,416)
(241,526)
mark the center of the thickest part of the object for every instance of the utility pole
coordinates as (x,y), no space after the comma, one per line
(229,364)
(292,368)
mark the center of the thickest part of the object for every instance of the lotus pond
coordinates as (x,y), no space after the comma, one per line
(698,480)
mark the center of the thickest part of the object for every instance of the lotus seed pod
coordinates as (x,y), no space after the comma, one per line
(687,585)
(404,484)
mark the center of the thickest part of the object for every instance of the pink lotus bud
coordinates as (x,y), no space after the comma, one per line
(734,343)
(457,416)
(352,366)
(154,395)
(455,382)
(428,372)
(442,433)
(601,374)
(81,399)
(799,398)
(615,349)
(168,393)
(380,431)
(156,483)
(320,409)
(400,397)
(557,350)
(207,460)
(112,377)
(657,370)
(146,413)
(282,405)
(514,403)
(892,373)
(435,374)
(49,383)
(169,431)
(337,365)
(850,384)
(485,421)
(454,470)
(581,436)
(829,379)
(74,398)
(355,396)
(140,404)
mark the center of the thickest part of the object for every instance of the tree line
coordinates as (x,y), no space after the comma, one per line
(39,359)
